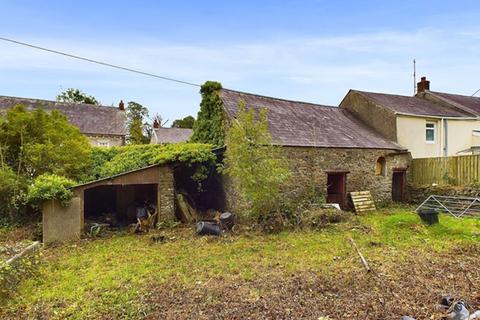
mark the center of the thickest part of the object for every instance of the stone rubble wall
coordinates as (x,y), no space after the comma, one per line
(309,166)
(418,194)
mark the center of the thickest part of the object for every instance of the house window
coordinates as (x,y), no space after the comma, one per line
(430,132)
(380,166)
(103,143)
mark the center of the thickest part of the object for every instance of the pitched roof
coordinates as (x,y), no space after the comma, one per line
(91,119)
(172,135)
(467,103)
(294,123)
(413,105)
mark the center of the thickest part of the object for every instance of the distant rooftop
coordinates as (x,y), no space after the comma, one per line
(295,123)
(91,119)
(171,135)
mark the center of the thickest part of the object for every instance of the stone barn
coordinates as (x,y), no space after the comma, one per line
(114,195)
(328,149)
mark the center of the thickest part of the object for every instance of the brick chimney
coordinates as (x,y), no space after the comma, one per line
(423,85)
(121,105)
(156,124)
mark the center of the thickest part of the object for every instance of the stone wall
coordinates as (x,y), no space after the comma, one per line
(309,167)
(166,194)
(100,140)
(418,194)
(380,118)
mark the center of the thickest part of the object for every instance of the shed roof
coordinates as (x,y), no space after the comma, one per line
(413,105)
(105,180)
(172,135)
(295,123)
(90,119)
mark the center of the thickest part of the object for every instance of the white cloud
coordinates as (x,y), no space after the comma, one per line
(320,69)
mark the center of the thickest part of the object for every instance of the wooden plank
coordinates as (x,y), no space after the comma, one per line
(360,193)
(362,201)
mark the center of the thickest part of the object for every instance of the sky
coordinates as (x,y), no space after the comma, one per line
(311,51)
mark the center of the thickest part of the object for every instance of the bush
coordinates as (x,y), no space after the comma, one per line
(256,167)
(318,218)
(49,187)
(38,142)
(12,189)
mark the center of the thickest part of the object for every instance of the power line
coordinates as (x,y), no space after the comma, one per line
(99,62)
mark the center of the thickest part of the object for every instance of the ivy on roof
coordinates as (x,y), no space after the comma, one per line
(116,160)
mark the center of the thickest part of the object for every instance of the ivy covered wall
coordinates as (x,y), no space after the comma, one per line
(210,125)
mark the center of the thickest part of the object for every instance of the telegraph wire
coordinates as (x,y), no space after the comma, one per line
(99,62)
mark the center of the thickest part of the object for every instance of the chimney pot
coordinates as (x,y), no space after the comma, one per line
(121,105)
(423,85)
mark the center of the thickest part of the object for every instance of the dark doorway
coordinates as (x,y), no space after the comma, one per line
(116,204)
(336,188)
(398,185)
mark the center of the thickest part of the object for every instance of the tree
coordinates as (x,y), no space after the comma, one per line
(210,126)
(139,131)
(33,143)
(255,166)
(72,95)
(186,122)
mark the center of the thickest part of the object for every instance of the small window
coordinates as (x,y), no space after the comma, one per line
(380,166)
(103,143)
(430,132)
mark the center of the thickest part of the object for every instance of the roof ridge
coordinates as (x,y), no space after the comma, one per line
(387,94)
(453,94)
(69,104)
(281,99)
(450,103)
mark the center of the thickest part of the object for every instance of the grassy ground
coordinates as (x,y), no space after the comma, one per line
(128,276)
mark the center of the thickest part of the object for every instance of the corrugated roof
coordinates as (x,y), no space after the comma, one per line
(91,119)
(467,103)
(413,105)
(172,135)
(294,123)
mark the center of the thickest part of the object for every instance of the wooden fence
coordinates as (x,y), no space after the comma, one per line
(458,170)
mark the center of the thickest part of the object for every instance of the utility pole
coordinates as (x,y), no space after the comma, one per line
(414,77)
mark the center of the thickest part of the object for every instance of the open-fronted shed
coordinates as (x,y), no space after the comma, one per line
(116,195)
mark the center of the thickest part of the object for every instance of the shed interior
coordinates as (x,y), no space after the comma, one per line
(116,204)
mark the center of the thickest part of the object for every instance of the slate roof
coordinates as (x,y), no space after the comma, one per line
(89,118)
(294,123)
(413,105)
(172,135)
(467,103)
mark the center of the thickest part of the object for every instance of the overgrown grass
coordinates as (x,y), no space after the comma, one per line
(107,275)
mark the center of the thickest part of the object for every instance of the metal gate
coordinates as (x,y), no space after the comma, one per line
(457,206)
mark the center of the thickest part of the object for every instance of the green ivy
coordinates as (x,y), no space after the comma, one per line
(49,187)
(210,124)
(112,161)
(134,157)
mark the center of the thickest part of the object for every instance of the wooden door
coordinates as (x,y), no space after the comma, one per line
(336,188)
(398,186)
